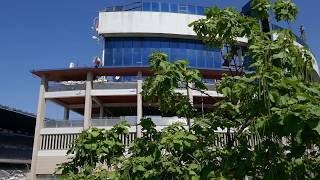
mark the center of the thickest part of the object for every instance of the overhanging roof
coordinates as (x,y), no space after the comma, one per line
(80,74)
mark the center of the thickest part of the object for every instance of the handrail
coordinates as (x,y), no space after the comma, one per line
(63,123)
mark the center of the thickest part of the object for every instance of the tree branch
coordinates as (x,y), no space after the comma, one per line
(202,91)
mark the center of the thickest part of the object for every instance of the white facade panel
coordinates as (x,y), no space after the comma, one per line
(144,23)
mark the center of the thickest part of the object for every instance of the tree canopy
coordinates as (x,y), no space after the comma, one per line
(277,104)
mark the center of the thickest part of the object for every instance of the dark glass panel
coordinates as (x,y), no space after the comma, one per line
(210,59)
(127,43)
(201,59)
(200,10)
(136,43)
(165,43)
(174,8)
(192,57)
(165,7)
(127,56)
(183,8)
(217,59)
(191,9)
(146,6)
(155,6)
(137,57)
(109,57)
(118,53)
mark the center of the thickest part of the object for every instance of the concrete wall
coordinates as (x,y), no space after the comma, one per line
(146,23)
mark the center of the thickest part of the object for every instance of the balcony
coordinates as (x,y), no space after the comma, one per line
(80,85)
(63,123)
(111,121)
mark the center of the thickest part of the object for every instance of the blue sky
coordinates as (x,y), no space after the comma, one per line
(38,34)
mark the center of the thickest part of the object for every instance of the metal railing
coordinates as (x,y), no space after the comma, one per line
(115,85)
(63,123)
(64,141)
(66,86)
(156,6)
(72,86)
(109,122)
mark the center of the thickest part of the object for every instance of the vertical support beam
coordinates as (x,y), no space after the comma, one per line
(189,93)
(88,102)
(190,97)
(66,114)
(139,104)
(241,58)
(101,113)
(39,124)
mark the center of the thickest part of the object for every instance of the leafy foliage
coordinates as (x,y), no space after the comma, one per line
(270,117)
(94,152)
(261,8)
(285,10)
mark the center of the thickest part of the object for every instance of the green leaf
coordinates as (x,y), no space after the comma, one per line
(226,91)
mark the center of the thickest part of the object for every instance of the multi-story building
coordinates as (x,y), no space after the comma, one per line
(109,94)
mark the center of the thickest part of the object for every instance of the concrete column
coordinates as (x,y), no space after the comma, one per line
(39,124)
(241,58)
(190,96)
(101,113)
(189,93)
(88,102)
(66,113)
(139,104)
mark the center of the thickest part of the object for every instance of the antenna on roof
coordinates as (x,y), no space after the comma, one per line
(303,35)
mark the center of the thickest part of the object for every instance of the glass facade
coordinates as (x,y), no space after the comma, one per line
(135,52)
(156,6)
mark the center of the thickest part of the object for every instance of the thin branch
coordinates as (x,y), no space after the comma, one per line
(202,91)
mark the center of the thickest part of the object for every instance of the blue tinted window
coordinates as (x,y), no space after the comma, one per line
(192,57)
(118,8)
(136,43)
(210,59)
(118,44)
(135,52)
(109,57)
(118,57)
(155,6)
(200,10)
(137,57)
(217,59)
(201,59)
(192,9)
(146,6)
(183,8)
(165,7)
(159,7)
(127,43)
(174,8)
(127,56)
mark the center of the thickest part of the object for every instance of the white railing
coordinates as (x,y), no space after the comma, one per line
(63,123)
(64,141)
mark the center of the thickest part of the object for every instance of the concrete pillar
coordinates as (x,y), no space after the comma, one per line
(88,102)
(139,104)
(39,124)
(66,113)
(241,58)
(101,113)
(189,93)
(190,96)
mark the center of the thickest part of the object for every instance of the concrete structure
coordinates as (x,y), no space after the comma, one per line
(16,139)
(131,33)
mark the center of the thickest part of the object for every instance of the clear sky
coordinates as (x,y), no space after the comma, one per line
(39,34)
